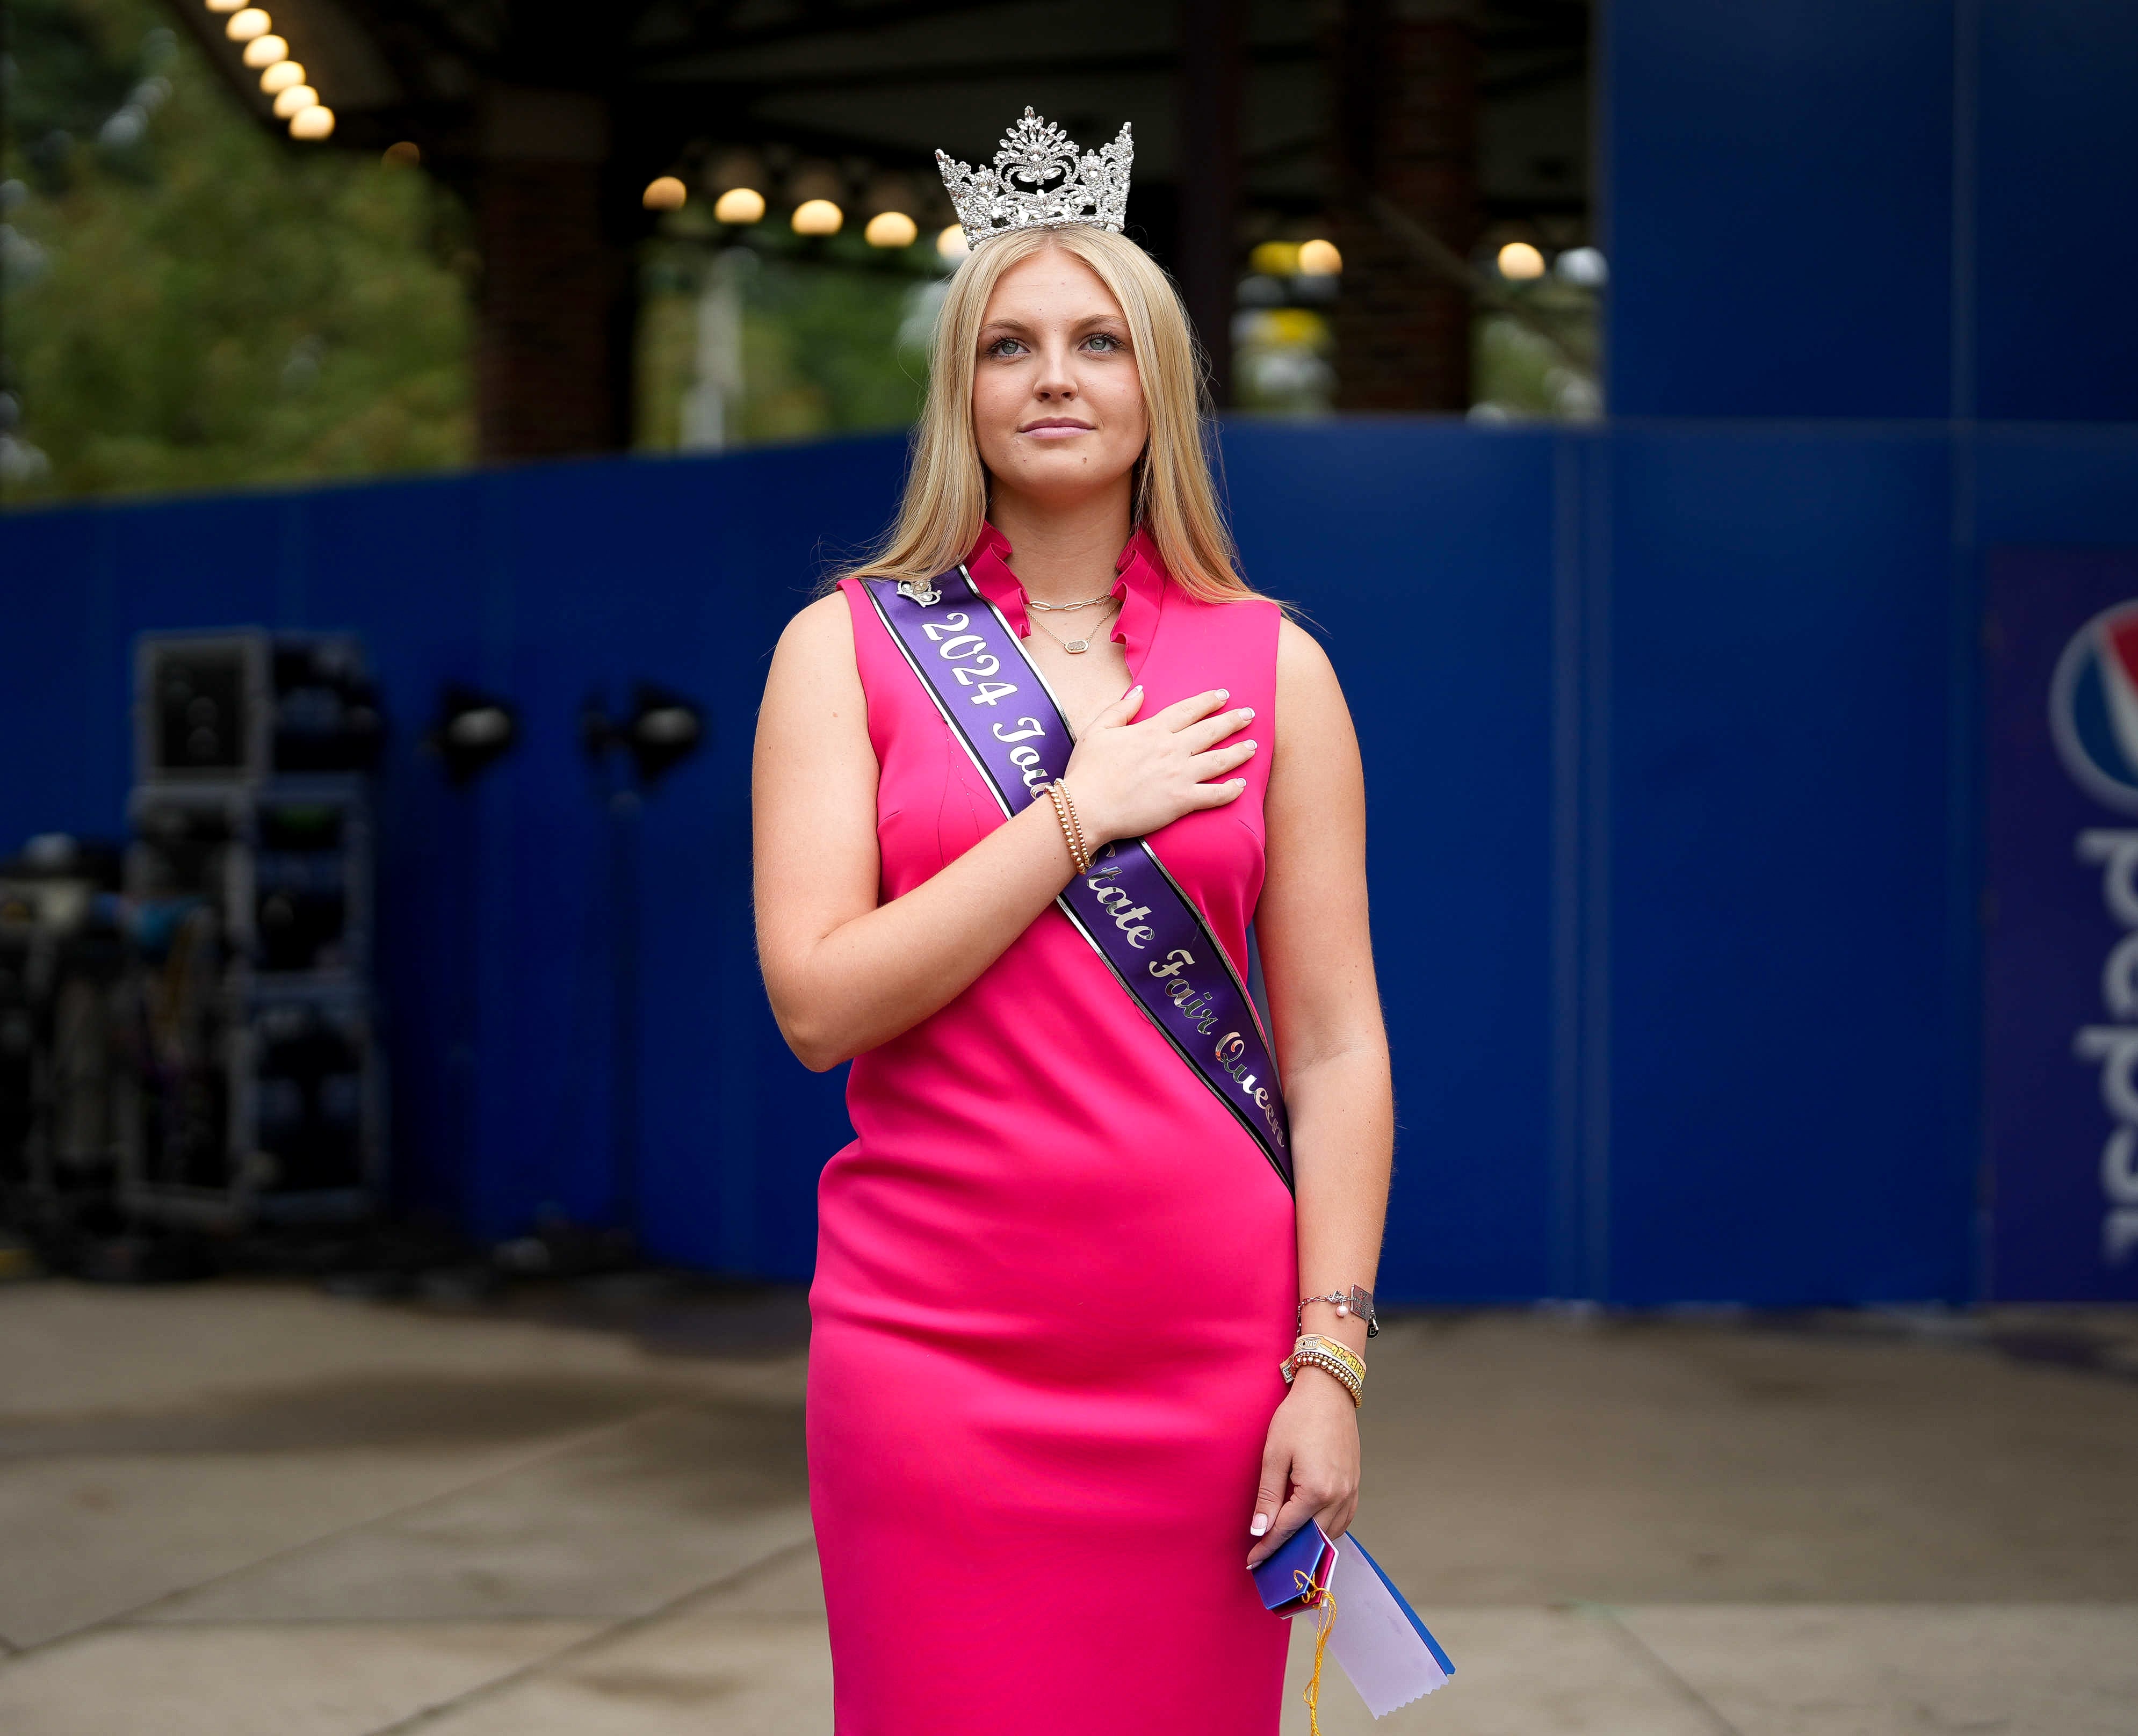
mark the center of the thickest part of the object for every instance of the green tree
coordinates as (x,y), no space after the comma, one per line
(831,344)
(189,302)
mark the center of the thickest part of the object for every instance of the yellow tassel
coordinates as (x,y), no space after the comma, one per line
(1326,1620)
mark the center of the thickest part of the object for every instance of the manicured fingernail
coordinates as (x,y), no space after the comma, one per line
(1247,711)
(1249,745)
(1259,1525)
(1224,693)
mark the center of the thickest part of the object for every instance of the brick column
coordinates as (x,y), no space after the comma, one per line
(1403,127)
(554,316)
(1212,40)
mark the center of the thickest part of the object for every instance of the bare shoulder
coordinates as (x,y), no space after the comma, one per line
(814,681)
(1306,679)
(815,655)
(820,632)
(1316,785)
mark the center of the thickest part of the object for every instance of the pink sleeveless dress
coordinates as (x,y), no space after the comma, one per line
(1054,1281)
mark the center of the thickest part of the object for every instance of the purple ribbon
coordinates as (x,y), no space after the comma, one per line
(1131,910)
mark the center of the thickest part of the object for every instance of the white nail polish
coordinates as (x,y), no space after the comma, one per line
(1259,1525)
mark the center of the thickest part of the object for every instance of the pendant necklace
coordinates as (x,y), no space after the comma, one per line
(1075,647)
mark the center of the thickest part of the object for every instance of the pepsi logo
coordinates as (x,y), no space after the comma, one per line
(2093,707)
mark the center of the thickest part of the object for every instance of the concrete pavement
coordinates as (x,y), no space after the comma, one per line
(244,1508)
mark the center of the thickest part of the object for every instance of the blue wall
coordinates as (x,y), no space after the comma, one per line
(1778,730)
(1871,207)
(1779,205)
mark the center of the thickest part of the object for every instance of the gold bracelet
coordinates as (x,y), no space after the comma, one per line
(1072,830)
(1324,1354)
(1059,798)
(1327,1364)
(1342,1352)
(1338,1359)
(1075,819)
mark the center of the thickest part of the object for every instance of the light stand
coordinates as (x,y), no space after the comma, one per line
(661,731)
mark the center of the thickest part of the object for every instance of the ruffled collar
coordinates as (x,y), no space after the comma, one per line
(1141,586)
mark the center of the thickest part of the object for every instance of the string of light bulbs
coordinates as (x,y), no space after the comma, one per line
(741,206)
(295,101)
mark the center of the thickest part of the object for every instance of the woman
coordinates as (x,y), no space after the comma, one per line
(1056,1274)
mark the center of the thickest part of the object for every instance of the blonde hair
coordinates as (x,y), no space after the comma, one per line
(1176,500)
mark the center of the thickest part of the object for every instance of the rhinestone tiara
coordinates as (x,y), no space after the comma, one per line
(1039,181)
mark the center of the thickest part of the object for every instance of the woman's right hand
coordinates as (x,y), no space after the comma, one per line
(1129,779)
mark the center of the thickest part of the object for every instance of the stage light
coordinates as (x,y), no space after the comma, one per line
(818,216)
(951,243)
(316,122)
(664,192)
(739,205)
(294,100)
(243,27)
(1276,259)
(265,51)
(891,229)
(402,154)
(1520,261)
(224,6)
(663,733)
(1320,259)
(662,730)
(472,732)
(280,76)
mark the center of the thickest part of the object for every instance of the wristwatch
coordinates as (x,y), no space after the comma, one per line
(1355,1301)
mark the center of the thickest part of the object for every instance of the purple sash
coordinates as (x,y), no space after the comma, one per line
(1133,912)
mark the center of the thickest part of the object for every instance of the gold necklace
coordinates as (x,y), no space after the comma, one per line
(1033,603)
(1075,647)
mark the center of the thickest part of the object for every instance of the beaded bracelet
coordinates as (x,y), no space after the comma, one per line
(1072,834)
(1343,1352)
(1340,1360)
(1076,821)
(1328,1365)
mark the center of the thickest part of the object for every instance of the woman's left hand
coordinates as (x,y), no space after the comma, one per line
(1309,1464)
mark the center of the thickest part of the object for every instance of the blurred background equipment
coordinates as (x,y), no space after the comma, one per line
(473,731)
(65,1001)
(660,731)
(258,1086)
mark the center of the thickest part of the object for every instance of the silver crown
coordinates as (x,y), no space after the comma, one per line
(1040,182)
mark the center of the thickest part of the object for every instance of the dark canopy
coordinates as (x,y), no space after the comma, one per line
(1399,127)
